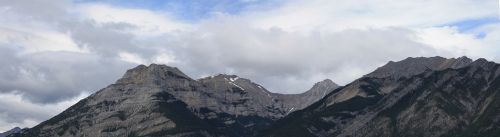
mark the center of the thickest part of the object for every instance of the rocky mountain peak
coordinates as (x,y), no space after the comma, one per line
(481,62)
(302,100)
(12,131)
(231,81)
(151,73)
(221,77)
(416,65)
(327,83)
(322,88)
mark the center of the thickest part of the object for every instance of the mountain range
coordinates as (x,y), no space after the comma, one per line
(421,97)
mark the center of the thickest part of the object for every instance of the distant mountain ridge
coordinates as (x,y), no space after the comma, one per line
(423,96)
(458,100)
(299,101)
(159,100)
(412,66)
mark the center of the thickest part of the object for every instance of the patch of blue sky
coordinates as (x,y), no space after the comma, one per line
(467,25)
(470,26)
(193,10)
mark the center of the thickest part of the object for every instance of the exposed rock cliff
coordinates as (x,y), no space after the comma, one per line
(412,66)
(453,100)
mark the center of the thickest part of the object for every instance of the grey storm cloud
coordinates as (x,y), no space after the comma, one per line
(32,86)
(50,77)
(289,62)
(54,76)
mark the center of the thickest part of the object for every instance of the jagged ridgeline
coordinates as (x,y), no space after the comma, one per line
(415,97)
(159,100)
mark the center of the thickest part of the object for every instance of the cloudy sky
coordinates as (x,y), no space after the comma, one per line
(55,52)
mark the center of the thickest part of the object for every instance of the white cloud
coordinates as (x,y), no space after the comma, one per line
(164,58)
(16,111)
(450,40)
(33,40)
(130,57)
(146,21)
(33,35)
(345,14)
(281,60)
(491,32)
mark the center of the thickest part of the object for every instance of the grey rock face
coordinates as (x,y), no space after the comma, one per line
(295,102)
(441,102)
(275,105)
(159,100)
(241,97)
(412,66)
(12,131)
(142,103)
(244,98)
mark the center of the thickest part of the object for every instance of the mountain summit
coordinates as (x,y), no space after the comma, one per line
(411,66)
(12,131)
(299,101)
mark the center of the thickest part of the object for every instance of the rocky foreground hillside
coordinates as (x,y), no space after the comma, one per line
(415,97)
